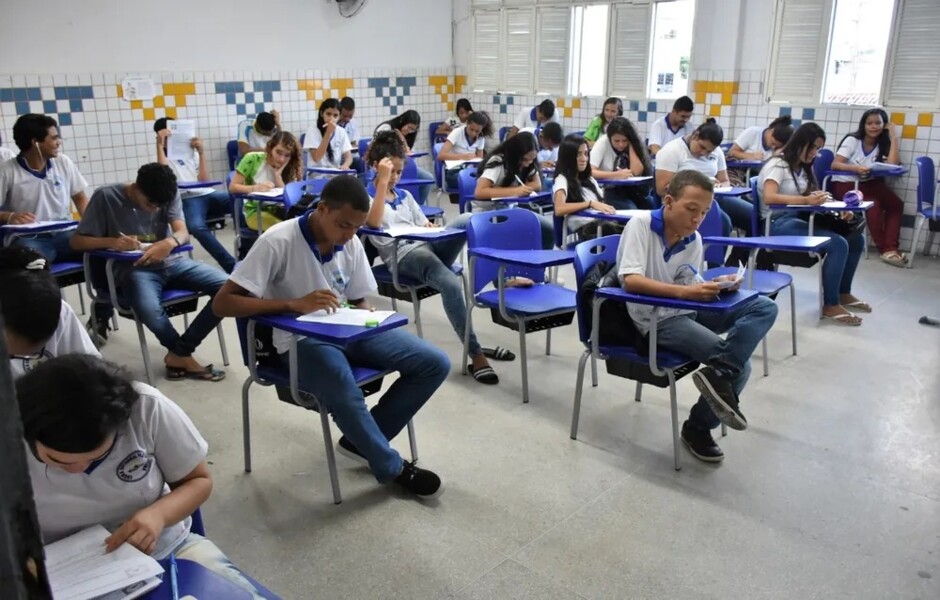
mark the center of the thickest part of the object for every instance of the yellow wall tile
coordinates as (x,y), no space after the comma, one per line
(699,97)
(897,118)
(576,103)
(714,110)
(726,98)
(171,112)
(158,102)
(909,132)
(925,119)
(148,114)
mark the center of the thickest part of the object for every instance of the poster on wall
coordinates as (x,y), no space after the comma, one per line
(664,82)
(138,88)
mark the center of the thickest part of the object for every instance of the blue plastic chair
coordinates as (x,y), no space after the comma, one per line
(245,236)
(503,132)
(466,189)
(928,209)
(438,166)
(410,174)
(294,191)
(231,151)
(364,146)
(434,137)
(541,307)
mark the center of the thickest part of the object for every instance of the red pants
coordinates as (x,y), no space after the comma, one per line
(884,218)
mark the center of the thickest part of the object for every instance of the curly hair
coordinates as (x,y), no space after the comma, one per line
(157,182)
(294,169)
(385,144)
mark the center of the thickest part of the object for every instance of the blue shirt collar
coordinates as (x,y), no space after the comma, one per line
(669,125)
(21,159)
(658,225)
(399,195)
(532,114)
(302,222)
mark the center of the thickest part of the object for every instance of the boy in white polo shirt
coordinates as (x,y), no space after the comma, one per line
(316,262)
(104,450)
(5,153)
(254,136)
(41,184)
(673,126)
(660,254)
(536,116)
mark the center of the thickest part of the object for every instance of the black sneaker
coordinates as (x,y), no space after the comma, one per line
(346,448)
(97,332)
(420,482)
(721,398)
(701,444)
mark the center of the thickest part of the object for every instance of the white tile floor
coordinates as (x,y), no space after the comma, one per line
(833,492)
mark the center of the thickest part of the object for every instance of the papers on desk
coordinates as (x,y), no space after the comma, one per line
(347,316)
(837,205)
(400,230)
(632,212)
(640,178)
(79,569)
(453,164)
(144,246)
(179,144)
(738,278)
(881,166)
(40,224)
(723,188)
(274,193)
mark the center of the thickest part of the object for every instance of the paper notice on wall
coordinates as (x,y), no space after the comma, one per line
(178,146)
(138,88)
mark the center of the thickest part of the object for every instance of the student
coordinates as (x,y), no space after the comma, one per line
(326,141)
(673,126)
(347,113)
(199,204)
(760,143)
(463,111)
(122,216)
(510,170)
(428,263)
(407,125)
(873,141)
(549,138)
(41,184)
(613,108)
(5,153)
(316,262)
(465,142)
(105,450)
(575,189)
(535,117)
(38,323)
(618,154)
(255,136)
(788,179)
(278,165)
(659,254)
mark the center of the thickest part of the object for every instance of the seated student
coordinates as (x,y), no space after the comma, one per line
(326,141)
(619,154)
(41,184)
(428,263)
(316,262)
(613,108)
(104,450)
(407,125)
(254,136)
(673,126)
(659,254)
(536,117)
(278,165)
(759,143)
(549,137)
(5,153)
(465,142)
(575,189)
(510,170)
(121,217)
(463,111)
(199,204)
(873,141)
(347,113)
(38,323)
(788,179)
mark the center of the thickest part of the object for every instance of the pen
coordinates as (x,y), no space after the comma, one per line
(519,180)
(174,586)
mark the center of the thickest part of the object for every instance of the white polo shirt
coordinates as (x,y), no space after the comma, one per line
(643,252)
(853,150)
(560,184)
(48,196)
(661,132)
(187,171)
(70,336)
(777,169)
(284,264)
(6,154)
(250,136)
(542,155)
(339,143)
(352,131)
(606,158)
(157,444)
(526,118)
(461,142)
(676,156)
(752,140)
(402,211)
(495,173)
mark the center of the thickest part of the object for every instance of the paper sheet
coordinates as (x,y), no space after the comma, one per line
(399,230)
(738,277)
(723,188)
(880,166)
(453,164)
(178,146)
(38,224)
(274,193)
(632,212)
(347,316)
(79,569)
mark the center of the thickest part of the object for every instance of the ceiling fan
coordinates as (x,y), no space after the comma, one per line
(350,8)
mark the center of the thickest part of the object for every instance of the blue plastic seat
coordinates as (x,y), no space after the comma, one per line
(503,132)
(928,209)
(401,287)
(231,152)
(68,273)
(466,189)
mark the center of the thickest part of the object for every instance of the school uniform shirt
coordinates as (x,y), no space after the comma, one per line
(6,154)
(187,171)
(403,210)
(777,169)
(352,131)
(461,142)
(250,136)
(853,150)
(595,129)
(70,336)
(454,121)
(561,184)
(526,118)
(642,251)
(676,156)
(495,173)
(339,143)
(606,158)
(284,264)
(661,132)
(47,195)
(752,140)
(542,155)
(157,444)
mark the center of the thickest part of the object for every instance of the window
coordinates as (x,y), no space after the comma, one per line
(858,47)
(913,74)
(670,49)
(628,54)
(588,50)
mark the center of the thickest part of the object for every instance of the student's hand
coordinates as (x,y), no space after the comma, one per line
(547,164)
(431,225)
(196,144)
(863,171)
(818,197)
(277,118)
(754,155)
(623,174)
(156,253)
(889,126)
(21,218)
(163,134)
(330,127)
(141,531)
(314,301)
(603,207)
(125,242)
(264,186)
(523,190)
(732,278)
(383,170)
(847,215)
(701,292)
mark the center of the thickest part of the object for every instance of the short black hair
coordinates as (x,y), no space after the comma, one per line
(30,300)
(345,190)
(688,178)
(683,104)
(157,182)
(72,403)
(160,124)
(31,127)
(385,144)
(547,108)
(347,103)
(552,132)
(265,122)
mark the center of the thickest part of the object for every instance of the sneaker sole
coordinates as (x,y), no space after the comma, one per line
(721,409)
(708,459)
(356,458)
(433,496)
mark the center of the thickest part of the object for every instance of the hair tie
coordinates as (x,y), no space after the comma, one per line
(36,265)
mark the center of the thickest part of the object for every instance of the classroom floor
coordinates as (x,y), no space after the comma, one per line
(832,492)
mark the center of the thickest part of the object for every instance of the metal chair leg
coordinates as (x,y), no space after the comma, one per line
(413,442)
(638,394)
(144,351)
(724,430)
(185,321)
(466,341)
(593,371)
(222,346)
(793,316)
(330,455)
(548,342)
(417,305)
(246,425)
(81,299)
(523,365)
(763,346)
(674,406)
(578,385)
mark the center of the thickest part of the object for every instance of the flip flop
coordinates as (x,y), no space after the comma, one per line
(485,375)
(499,353)
(895,259)
(846,319)
(207,374)
(858,305)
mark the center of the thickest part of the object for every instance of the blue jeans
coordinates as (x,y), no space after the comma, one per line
(325,372)
(430,264)
(196,211)
(53,245)
(842,255)
(696,336)
(144,289)
(739,211)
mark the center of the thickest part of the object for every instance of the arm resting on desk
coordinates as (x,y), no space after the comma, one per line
(638,284)
(232,300)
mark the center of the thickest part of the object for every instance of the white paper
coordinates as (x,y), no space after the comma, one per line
(839,205)
(274,193)
(633,212)
(453,164)
(79,568)
(138,88)
(181,134)
(738,278)
(143,248)
(38,224)
(347,316)
(640,178)
(723,188)
(399,230)
(880,166)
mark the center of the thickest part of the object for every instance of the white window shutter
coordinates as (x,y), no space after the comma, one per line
(629,49)
(799,50)
(517,73)
(487,4)
(486,63)
(913,74)
(554,39)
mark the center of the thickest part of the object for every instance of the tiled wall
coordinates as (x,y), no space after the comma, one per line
(110,138)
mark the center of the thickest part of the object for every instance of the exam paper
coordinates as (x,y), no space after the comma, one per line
(346,316)
(182,132)
(274,193)
(738,278)
(38,224)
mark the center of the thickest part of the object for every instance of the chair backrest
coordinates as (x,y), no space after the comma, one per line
(758,201)
(432,129)
(466,188)
(231,150)
(503,131)
(711,226)
(438,165)
(588,254)
(822,164)
(926,183)
(364,147)
(510,229)
(304,154)
(295,190)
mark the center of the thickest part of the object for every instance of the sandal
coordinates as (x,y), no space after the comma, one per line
(485,375)
(499,353)
(846,318)
(894,258)
(207,374)
(858,305)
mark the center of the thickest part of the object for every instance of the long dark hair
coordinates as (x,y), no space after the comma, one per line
(781,129)
(611,100)
(884,138)
(792,153)
(624,127)
(567,165)
(710,131)
(409,117)
(509,155)
(321,124)
(293,169)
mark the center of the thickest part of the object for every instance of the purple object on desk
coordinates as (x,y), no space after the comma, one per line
(190,185)
(341,335)
(630,181)
(537,259)
(417,154)
(724,302)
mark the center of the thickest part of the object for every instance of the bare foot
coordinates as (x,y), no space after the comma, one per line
(182,362)
(519,282)
(479,362)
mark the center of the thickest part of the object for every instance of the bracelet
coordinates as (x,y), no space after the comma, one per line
(176,239)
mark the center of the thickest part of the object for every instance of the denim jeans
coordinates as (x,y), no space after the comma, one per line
(842,255)
(739,211)
(144,288)
(431,264)
(196,211)
(207,555)
(325,372)
(696,336)
(53,245)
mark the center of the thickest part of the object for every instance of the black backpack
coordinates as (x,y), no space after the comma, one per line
(617,327)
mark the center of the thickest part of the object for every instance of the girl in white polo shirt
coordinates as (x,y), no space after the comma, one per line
(327,142)
(465,143)
(575,189)
(618,154)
